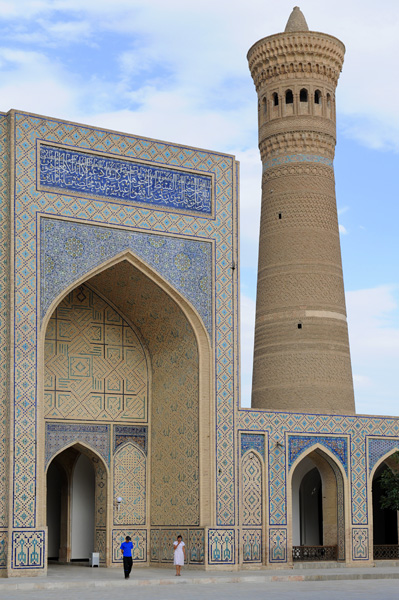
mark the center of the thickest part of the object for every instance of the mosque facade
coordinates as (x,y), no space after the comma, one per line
(119,353)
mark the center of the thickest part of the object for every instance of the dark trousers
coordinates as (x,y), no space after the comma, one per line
(127,565)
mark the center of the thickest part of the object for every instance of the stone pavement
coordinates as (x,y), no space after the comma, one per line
(69,581)
(360,589)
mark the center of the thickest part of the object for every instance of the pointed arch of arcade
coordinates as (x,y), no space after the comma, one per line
(100,280)
(384,531)
(65,460)
(334,495)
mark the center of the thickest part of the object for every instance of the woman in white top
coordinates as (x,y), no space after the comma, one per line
(179,548)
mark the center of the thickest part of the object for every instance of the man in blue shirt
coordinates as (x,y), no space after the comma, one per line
(126,549)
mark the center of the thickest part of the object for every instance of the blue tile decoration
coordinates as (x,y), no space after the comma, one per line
(31,203)
(60,435)
(252,545)
(3,549)
(196,546)
(28,549)
(253,441)
(360,544)
(86,173)
(70,249)
(252,486)
(378,447)
(221,546)
(277,545)
(337,445)
(139,541)
(131,433)
(296,158)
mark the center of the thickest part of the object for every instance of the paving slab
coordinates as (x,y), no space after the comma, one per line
(62,577)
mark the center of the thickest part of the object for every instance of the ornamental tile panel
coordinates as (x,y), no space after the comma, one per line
(378,447)
(66,170)
(69,250)
(337,445)
(139,541)
(61,435)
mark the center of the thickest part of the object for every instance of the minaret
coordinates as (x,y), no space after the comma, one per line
(301,358)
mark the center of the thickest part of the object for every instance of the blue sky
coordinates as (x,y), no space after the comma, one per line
(177,70)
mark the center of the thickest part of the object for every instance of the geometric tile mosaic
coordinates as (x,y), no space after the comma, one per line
(139,541)
(91,174)
(221,546)
(30,202)
(28,550)
(161,545)
(4,317)
(251,441)
(279,425)
(251,481)
(3,549)
(173,352)
(60,435)
(69,250)
(130,485)
(252,545)
(277,545)
(337,445)
(360,544)
(196,546)
(131,433)
(95,365)
(378,447)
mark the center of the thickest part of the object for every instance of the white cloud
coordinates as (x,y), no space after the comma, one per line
(342,229)
(373,319)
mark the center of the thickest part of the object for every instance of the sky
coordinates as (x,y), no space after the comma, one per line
(176,70)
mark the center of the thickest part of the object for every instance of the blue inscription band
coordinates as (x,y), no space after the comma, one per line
(296,158)
(84,173)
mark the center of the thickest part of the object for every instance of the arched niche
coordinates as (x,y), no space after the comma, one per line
(385,521)
(176,344)
(317,511)
(252,489)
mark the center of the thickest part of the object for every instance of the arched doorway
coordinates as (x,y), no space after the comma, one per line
(317,515)
(127,355)
(385,520)
(76,506)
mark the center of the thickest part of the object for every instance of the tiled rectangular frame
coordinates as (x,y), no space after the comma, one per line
(28,204)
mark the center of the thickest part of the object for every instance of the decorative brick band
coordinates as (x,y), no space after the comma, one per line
(296,158)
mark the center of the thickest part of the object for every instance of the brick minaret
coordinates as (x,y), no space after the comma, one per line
(301,359)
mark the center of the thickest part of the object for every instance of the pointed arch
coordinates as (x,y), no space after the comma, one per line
(252,488)
(182,341)
(385,457)
(84,448)
(384,521)
(128,255)
(334,491)
(67,458)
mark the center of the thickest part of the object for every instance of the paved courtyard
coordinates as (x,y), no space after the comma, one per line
(306,582)
(307,590)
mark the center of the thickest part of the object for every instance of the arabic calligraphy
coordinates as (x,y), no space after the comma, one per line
(85,173)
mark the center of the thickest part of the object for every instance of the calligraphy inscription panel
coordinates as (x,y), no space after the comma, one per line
(84,173)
